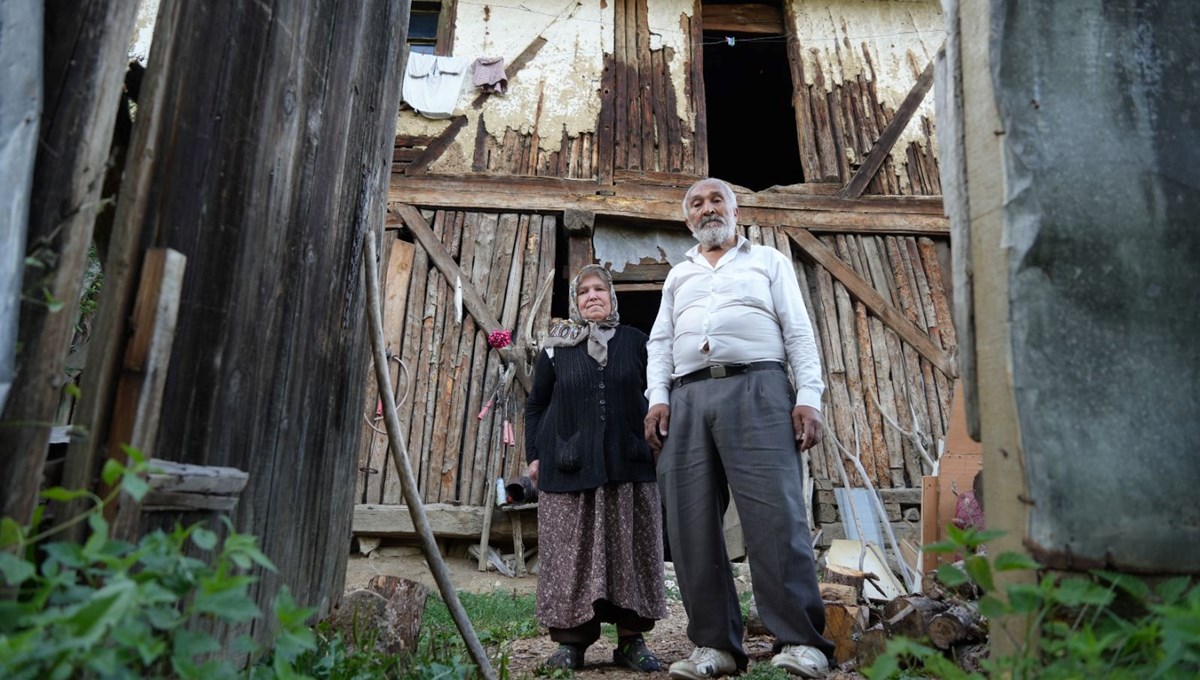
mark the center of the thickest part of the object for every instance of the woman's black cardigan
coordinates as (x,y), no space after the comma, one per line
(584,422)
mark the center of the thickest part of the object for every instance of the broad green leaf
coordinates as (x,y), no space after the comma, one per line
(980,571)
(15,570)
(1076,591)
(951,575)
(190,643)
(231,605)
(104,610)
(10,532)
(992,607)
(1024,598)
(135,454)
(61,495)
(95,542)
(1127,582)
(204,539)
(942,547)
(1015,561)
(135,486)
(111,471)
(1173,589)
(73,390)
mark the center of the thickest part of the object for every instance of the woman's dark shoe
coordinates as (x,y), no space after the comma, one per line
(631,652)
(566,656)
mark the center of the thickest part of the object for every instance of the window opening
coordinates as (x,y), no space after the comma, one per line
(752,139)
(423,26)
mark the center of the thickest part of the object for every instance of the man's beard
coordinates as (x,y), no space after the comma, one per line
(714,231)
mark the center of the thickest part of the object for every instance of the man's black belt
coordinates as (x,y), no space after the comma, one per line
(726,370)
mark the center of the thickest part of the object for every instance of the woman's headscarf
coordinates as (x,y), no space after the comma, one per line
(575,330)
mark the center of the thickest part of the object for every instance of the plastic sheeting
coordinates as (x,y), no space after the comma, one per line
(20,109)
(620,245)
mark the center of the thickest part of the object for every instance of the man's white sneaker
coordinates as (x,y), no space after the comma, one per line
(704,663)
(802,660)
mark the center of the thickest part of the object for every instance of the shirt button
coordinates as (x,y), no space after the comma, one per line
(603,417)
(602,402)
(602,387)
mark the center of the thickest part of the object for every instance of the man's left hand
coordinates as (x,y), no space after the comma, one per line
(808,424)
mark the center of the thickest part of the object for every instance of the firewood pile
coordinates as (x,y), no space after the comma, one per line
(940,616)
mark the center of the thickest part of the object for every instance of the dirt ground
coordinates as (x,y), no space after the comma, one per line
(668,639)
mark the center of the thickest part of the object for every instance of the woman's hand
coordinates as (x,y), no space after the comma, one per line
(531,471)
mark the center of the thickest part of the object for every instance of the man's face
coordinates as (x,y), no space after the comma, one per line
(709,215)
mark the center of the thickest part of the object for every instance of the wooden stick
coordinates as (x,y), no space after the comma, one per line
(412,497)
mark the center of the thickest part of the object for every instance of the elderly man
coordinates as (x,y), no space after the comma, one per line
(732,321)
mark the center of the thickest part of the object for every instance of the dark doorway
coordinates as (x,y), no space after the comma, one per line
(748,103)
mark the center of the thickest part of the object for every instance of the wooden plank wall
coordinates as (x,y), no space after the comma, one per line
(847,117)
(869,372)
(450,372)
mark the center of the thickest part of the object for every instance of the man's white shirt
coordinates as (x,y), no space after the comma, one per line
(747,308)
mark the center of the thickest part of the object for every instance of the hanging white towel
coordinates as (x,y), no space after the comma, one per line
(432,84)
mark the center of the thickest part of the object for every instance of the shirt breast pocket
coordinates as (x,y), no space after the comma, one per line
(751,288)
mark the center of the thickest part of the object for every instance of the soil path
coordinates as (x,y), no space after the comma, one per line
(668,639)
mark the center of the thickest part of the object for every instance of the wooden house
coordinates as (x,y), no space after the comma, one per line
(818,111)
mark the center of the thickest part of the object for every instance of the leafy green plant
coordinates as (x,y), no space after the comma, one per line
(498,618)
(1103,625)
(113,609)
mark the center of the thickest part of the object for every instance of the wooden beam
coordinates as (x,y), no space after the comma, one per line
(747,18)
(911,215)
(446,521)
(471,298)
(865,292)
(887,138)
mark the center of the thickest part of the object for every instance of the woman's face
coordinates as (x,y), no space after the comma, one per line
(592,298)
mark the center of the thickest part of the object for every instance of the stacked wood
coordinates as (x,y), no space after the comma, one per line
(909,616)
(959,623)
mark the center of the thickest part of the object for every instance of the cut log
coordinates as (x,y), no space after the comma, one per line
(844,625)
(960,623)
(909,616)
(871,644)
(838,575)
(839,593)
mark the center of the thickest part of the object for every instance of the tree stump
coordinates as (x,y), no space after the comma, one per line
(846,576)
(844,625)
(385,616)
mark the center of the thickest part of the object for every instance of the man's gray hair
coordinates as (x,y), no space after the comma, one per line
(725,189)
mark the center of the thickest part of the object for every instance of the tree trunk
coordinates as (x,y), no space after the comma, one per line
(263,154)
(84,52)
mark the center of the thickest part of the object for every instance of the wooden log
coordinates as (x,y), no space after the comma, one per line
(958,624)
(871,645)
(844,625)
(845,576)
(171,477)
(909,616)
(840,593)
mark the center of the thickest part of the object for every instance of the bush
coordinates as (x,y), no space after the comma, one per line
(1076,626)
(113,609)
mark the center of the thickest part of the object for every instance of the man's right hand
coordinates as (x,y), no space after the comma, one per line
(657,420)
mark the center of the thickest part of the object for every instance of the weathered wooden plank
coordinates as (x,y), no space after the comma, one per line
(471,298)
(822,124)
(606,127)
(696,80)
(645,204)
(874,453)
(446,521)
(482,384)
(662,141)
(746,18)
(410,349)
(862,290)
(623,88)
(143,373)
(645,85)
(65,86)
(167,476)
(398,275)
(802,101)
(424,400)
(448,417)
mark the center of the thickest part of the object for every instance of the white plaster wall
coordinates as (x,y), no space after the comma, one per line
(143,31)
(565,76)
(900,36)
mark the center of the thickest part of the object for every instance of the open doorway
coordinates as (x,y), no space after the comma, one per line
(748,103)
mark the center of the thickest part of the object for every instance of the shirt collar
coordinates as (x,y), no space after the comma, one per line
(742,244)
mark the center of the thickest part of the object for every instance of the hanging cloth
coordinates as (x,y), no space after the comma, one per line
(487,73)
(432,84)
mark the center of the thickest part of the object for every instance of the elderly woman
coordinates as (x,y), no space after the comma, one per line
(599,514)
